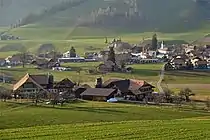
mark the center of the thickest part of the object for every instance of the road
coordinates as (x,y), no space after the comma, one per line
(162,72)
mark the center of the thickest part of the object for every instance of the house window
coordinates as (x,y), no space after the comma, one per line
(28,85)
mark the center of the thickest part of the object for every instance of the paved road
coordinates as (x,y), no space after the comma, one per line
(162,72)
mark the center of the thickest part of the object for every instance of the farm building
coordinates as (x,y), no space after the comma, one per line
(135,89)
(45,63)
(78,90)
(98,94)
(64,85)
(32,84)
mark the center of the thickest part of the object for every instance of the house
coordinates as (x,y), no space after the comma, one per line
(45,63)
(199,63)
(179,61)
(135,89)
(17,59)
(32,84)
(98,94)
(67,55)
(73,59)
(78,90)
(64,85)
(2,62)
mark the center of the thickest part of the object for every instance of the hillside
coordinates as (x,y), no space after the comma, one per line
(128,15)
(13,10)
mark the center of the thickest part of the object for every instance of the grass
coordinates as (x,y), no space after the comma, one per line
(158,130)
(187,77)
(95,120)
(85,112)
(82,37)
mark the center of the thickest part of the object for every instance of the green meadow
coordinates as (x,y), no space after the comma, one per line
(95,120)
(82,37)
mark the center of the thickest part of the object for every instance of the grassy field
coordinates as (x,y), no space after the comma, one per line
(94,120)
(82,38)
(144,130)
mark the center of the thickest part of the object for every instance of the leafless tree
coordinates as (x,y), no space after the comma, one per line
(207,104)
(186,93)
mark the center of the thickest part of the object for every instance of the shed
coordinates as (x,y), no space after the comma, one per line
(98,94)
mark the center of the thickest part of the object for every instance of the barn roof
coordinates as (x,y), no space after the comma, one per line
(127,84)
(65,83)
(36,79)
(102,92)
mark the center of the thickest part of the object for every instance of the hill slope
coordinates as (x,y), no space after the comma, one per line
(13,10)
(136,15)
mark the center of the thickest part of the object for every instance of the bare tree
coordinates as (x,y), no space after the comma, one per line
(207,104)
(168,95)
(79,72)
(4,94)
(186,93)
(23,56)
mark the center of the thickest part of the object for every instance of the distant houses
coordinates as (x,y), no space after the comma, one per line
(191,57)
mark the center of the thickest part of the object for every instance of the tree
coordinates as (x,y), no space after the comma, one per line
(207,104)
(186,93)
(106,40)
(154,42)
(23,56)
(168,93)
(72,52)
(111,55)
(78,72)
(4,94)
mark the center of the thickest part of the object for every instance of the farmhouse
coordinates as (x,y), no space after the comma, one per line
(98,94)
(135,89)
(64,85)
(45,63)
(32,84)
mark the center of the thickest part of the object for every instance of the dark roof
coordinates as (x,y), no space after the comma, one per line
(98,92)
(126,85)
(40,61)
(65,83)
(106,83)
(40,79)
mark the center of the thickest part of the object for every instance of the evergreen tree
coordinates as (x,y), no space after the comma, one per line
(72,52)
(111,55)
(106,40)
(154,42)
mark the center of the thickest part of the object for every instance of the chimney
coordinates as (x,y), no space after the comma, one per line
(99,82)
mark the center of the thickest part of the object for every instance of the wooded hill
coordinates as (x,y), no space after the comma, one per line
(141,15)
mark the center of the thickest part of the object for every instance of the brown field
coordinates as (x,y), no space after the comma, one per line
(202,91)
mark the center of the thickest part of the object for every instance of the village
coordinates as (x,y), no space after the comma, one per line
(118,57)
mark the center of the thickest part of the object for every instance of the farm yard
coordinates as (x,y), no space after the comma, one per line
(95,120)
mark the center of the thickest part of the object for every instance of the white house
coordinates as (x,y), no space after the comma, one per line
(67,54)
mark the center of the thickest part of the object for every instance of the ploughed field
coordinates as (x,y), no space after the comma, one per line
(94,120)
